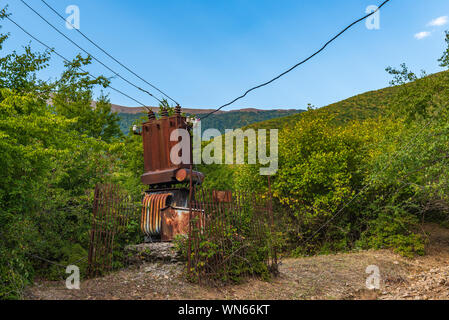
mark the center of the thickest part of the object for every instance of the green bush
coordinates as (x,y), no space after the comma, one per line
(229,249)
(393,228)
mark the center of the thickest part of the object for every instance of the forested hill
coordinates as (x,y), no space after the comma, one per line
(221,121)
(363,106)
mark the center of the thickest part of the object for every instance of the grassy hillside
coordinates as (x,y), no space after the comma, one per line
(360,107)
(363,106)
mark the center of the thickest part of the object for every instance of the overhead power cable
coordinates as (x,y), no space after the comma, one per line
(67,60)
(300,63)
(109,55)
(86,52)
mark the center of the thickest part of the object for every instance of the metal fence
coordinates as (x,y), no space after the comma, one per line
(230,235)
(112,209)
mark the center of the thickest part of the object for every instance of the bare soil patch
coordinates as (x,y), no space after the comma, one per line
(337,276)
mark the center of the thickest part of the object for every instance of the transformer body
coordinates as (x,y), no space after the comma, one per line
(165,205)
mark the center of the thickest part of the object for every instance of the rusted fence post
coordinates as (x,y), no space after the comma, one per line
(189,248)
(270,211)
(110,214)
(93,228)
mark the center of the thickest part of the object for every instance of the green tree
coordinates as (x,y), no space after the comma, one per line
(73,99)
(52,155)
(444,60)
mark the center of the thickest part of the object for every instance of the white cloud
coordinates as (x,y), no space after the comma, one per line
(441,21)
(422,35)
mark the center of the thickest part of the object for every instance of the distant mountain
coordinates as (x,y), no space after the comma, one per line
(220,120)
(136,110)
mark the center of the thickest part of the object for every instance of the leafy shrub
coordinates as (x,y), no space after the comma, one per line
(393,228)
(229,248)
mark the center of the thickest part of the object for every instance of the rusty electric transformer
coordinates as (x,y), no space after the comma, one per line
(165,207)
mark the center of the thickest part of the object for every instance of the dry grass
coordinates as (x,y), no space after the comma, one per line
(337,276)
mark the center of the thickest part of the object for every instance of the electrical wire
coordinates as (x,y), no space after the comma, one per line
(67,60)
(86,52)
(109,55)
(300,63)
(53,262)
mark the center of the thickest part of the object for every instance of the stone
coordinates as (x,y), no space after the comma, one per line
(153,252)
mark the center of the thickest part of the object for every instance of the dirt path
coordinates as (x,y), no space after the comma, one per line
(339,276)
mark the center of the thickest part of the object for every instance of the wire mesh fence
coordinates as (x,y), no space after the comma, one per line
(112,210)
(230,236)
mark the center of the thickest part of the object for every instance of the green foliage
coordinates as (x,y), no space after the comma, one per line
(229,249)
(248,179)
(239,119)
(51,156)
(360,173)
(322,165)
(402,76)
(369,105)
(444,60)
(389,145)
(127,235)
(128,119)
(217,177)
(393,228)
(73,100)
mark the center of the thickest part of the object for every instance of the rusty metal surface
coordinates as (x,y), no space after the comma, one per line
(152,206)
(222,196)
(165,214)
(183,175)
(175,221)
(231,223)
(157,145)
(111,211)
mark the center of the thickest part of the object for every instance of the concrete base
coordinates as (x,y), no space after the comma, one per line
(152,252)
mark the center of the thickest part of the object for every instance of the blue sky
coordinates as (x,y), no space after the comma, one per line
(204,53)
